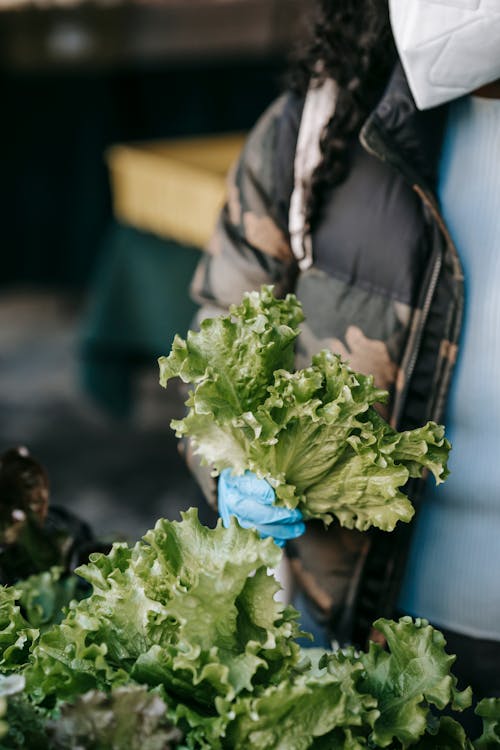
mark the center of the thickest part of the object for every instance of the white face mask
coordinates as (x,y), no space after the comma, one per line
(448,48)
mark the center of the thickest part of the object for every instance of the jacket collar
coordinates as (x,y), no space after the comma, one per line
(399,133)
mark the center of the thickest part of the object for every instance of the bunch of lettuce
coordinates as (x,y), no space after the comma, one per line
(314,434)
(188,610)
(353,700)
(190,614)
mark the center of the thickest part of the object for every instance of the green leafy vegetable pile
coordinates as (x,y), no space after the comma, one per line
(127,718)
(313,433)
(181,644)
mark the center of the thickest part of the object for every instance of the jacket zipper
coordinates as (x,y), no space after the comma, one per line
(428,200)
(408,372)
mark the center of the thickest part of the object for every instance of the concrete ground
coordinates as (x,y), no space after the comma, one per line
(120,476)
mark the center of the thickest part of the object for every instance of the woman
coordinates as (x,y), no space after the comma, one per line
(352,197)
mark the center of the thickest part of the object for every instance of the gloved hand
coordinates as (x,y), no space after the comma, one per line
(251,500)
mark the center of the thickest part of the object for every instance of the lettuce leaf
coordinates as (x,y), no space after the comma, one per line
(260,336)
(446,735)
(414,674)
(16,634)
(45,596)
(30,607)
(489,710)
(316,704)
(313,433)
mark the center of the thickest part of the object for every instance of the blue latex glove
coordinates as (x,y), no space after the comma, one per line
(251,501)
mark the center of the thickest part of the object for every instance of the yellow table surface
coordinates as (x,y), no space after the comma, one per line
(173,189)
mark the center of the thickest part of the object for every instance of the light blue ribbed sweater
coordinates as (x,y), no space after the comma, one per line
(453,572)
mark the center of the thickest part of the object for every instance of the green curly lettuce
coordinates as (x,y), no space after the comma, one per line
(29,608)
(189,609)
(17,636)
(297,712)
(44,597)
(446,734)
(489,710)
(412,675)
(190,614)
(314,434)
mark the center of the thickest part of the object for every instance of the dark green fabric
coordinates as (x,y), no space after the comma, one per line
(139,301)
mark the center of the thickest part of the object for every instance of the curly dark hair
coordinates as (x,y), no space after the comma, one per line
(352,41)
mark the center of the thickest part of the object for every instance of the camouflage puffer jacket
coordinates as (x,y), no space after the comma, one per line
(385,291)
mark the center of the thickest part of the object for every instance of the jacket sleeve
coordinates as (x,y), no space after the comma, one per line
(250,245)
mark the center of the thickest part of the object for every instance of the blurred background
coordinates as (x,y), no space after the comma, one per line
(119,120)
